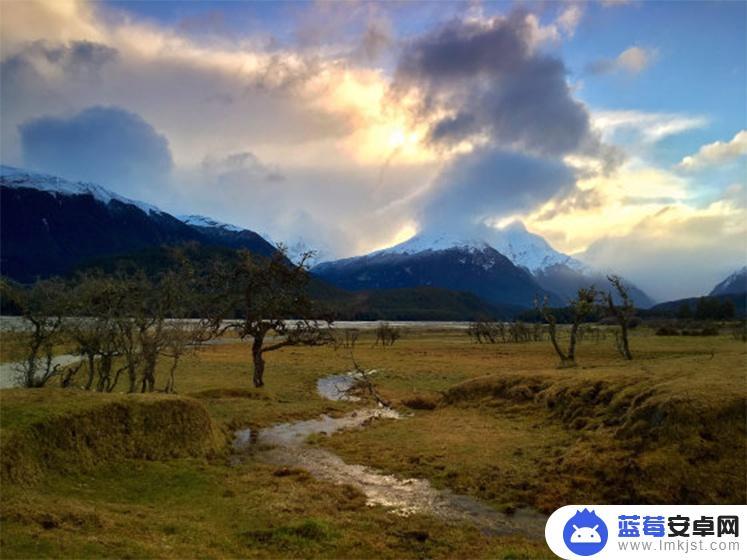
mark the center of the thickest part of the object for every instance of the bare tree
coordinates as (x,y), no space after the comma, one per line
(623,312)
(42,308)
(386,334)
(181,337)
(161,319)
(519,332)
(584,304)
(132,320)
(271,296)
(347,339)
(97,302)
(364,383)
(484,331)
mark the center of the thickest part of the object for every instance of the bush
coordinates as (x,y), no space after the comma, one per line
(420,402)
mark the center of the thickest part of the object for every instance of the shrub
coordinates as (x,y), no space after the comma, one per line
(420,402)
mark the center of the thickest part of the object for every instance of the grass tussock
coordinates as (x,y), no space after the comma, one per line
(66,431)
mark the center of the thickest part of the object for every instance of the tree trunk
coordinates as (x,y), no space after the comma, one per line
(259,370)
(132,373)
(625,347)
(149,382)
(259,362)
(89,381)
(572,344)
(171,383)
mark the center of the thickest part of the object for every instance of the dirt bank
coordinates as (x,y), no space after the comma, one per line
(67,431)
(636,440)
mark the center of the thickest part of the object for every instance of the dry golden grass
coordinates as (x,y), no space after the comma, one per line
(668,427)
(509,428)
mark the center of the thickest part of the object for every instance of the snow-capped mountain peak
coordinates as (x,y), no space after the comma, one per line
(13,177)
(523,248)
(203,221)
(529,250)
(422,242)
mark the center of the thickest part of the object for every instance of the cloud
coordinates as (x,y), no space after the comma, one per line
(241,164)
(632,60)
(646,127)
(658,253)
(377,38)
(489,184)
(322,116)
(478,79)
(340,131)
(502,110)
(107,145)
(80,59)
(716,153)
(569,18)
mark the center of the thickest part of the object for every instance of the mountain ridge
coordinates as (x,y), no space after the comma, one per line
(49,225)
(550,272)
(736,282)
(480,270)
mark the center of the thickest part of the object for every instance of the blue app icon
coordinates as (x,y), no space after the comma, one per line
(585,533)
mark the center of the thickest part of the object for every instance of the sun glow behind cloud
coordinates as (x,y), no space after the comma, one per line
(333,151)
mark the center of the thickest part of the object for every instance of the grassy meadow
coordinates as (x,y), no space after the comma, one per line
(499,422)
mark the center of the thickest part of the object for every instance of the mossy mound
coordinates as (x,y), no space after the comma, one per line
(69,431)
(639,439)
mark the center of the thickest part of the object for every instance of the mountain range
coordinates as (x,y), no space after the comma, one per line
(51,226)
(503,266)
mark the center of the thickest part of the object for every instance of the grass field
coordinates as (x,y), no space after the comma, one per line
(498,422)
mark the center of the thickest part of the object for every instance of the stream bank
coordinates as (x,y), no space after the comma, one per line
(285,445)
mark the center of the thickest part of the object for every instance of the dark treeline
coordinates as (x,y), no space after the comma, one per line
(124,319)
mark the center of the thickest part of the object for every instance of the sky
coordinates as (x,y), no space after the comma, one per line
(614,129)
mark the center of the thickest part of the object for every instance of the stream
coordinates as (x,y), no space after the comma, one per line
(285,445)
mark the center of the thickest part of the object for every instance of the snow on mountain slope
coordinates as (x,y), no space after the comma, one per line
(13,177)
(530,250)
(434,242)
(734,283)
(204,221)
(523,248)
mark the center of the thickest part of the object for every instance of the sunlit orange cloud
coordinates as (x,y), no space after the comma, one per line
(621,201)
(377,126)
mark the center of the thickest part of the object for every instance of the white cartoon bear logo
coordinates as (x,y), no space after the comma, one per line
(585,535)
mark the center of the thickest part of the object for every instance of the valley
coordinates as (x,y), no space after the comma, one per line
(373,279)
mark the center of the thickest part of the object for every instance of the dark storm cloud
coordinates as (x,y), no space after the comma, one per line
(107,145)
(498,89)
(489,183)
(494,82)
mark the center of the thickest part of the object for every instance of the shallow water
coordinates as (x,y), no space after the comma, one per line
(10,374)
(284,444)
(336,387)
